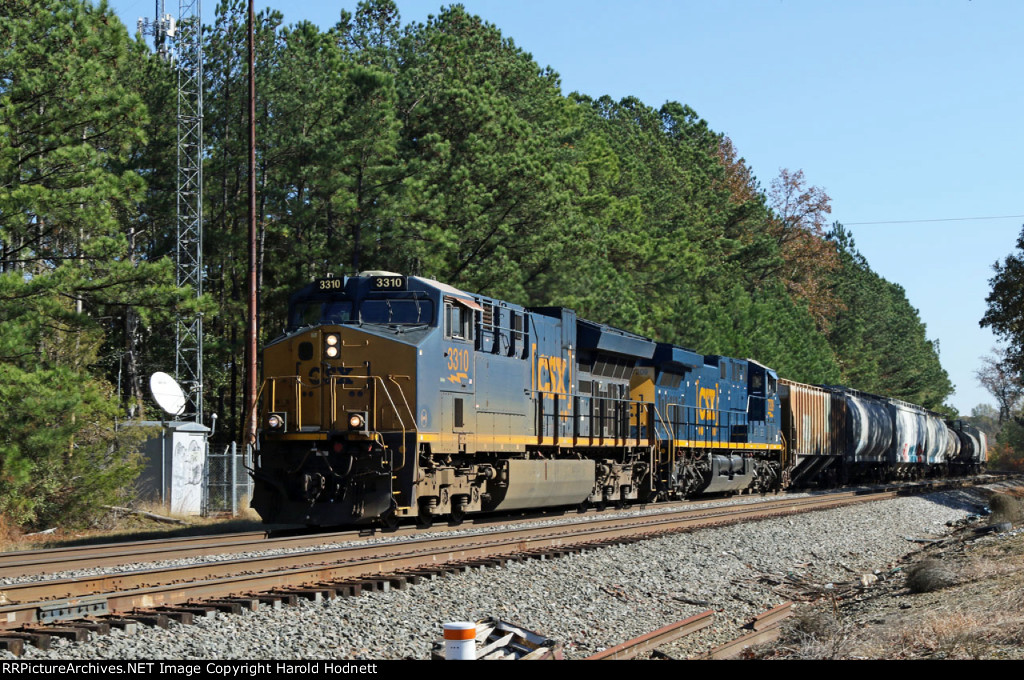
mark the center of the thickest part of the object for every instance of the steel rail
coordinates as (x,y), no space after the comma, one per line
(650,641)
(17,564)
(733,649)
(54,560)
(772,617)
(22,603)
(766,628)
(51,561)
(57,588)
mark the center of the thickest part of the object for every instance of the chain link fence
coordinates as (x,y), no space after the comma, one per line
(228,485)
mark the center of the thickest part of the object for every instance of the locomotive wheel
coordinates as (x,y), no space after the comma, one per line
(424,518)
(459,504)
(389,520)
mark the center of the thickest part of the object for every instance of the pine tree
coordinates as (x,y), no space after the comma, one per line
(68,130)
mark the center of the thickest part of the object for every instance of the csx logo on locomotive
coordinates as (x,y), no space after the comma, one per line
(549,374)
(707,408)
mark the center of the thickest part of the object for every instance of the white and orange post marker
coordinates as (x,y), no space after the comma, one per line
(460,641)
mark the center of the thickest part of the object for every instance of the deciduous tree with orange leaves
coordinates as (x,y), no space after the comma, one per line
(808,258)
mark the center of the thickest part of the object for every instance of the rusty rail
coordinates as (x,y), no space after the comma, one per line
(766,628)
(650,641)
(29,603)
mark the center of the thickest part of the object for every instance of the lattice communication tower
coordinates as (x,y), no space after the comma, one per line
(181,42)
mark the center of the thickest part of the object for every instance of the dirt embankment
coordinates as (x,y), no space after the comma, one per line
(960,597)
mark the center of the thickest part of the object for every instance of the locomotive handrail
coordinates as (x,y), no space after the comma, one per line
(671,439)
(298,382)
(721,431)
(786,459)
(334,404)
(408,408)
(574,399)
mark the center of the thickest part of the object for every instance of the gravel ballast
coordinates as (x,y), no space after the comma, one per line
(587,601)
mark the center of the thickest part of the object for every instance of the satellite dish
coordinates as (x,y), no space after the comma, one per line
(167,393)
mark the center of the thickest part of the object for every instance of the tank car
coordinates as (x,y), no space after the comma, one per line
(972,453)
(919,441)
(837,433)
(393,396)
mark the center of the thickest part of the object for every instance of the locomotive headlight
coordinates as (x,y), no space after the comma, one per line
(277,421)
(332,352)
(357,422)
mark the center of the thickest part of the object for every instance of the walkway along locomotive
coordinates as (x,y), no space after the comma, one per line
(391,396)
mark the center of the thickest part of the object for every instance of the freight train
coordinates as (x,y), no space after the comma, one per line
(392,396)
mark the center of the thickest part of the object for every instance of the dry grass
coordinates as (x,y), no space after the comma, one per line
(960,601)
(119,526)
(939,634)
(245,512)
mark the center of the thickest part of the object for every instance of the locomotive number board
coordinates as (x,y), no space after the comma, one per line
(330,284)
(388,283)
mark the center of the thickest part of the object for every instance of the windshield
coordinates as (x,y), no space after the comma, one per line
(316,313)
(392,311)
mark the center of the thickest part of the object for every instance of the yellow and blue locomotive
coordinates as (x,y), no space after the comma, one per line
(395,396)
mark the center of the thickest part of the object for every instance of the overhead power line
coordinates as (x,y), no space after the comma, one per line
(947,219)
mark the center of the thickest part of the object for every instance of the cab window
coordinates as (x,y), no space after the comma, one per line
(458,321)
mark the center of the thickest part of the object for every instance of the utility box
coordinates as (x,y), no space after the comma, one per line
(174,472)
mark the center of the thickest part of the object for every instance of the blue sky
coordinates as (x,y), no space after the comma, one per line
(902,111)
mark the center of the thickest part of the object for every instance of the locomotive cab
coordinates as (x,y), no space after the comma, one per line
(337,427)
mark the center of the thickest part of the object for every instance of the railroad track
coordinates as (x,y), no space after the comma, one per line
(764,628)
(354,568)
(21,564)
(69,606)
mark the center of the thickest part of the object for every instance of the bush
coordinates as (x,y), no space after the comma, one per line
(1006,508)
(929,576)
